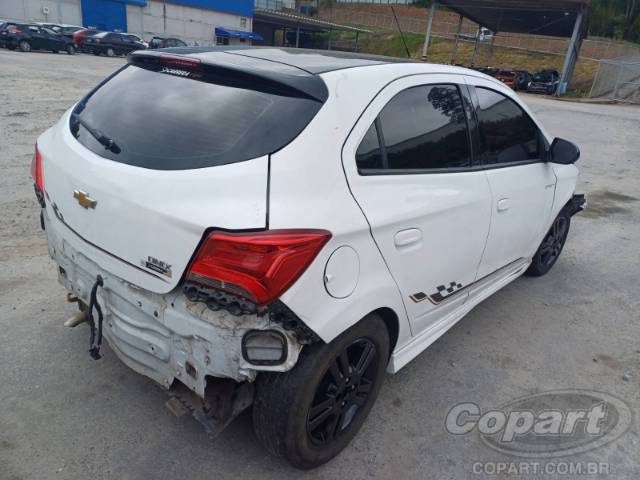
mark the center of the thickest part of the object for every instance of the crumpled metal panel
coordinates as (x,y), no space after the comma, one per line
(164,336)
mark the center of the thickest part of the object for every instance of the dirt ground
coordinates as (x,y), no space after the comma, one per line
(63,416)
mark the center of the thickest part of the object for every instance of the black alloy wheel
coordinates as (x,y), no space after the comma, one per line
(551,247)
(310,413)
(342,392)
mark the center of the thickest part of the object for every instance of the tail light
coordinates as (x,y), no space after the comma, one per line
(257,266)
(36,169)
(14,30)
(180,62)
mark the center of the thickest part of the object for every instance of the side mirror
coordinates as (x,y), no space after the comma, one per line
(563,152)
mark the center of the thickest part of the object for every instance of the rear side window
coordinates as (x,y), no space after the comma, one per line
(166,122)
(369,153)
(421,128)
(507,133)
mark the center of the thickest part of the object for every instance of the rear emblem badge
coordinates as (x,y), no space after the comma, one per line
(84,199)
(156,265)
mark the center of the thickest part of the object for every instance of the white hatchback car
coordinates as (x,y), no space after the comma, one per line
(279,227)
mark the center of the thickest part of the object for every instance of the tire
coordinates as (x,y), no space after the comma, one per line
(71,50)
(283,402)
(24,46)
(96,53)
(110,52)
(551,247)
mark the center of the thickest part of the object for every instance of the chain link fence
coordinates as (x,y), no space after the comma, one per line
(445,23)
(618,80)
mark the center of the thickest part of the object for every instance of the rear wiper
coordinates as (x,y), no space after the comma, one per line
(105,141)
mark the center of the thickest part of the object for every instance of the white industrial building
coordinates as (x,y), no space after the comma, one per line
(194,21)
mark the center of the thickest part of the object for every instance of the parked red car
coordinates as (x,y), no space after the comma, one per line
(508,77)
(80,36)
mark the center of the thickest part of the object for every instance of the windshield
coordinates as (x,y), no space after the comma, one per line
(164,121)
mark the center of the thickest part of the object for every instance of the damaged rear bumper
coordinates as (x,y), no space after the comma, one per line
(165,337)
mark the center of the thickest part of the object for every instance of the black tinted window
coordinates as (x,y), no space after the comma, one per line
(167,122)
(425,127)
(507,133)
(369,154)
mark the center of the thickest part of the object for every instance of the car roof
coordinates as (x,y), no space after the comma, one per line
(311,61)
(298,69)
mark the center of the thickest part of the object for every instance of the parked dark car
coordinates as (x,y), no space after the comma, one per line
(136,38)
(111,43)
(3,36)
(29,37)
(160,42)
(66,30)
(524,78)
(545,81)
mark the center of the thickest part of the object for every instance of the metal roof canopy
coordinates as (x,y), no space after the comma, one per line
(292,21)
(555,18)
(558,18)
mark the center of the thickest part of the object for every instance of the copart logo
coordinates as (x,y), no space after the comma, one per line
(545,425)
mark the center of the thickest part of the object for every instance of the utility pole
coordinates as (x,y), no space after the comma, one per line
(427,37)
(571,58)
(454,55)
(475,46)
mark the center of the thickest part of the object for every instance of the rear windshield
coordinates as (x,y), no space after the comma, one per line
(163,121)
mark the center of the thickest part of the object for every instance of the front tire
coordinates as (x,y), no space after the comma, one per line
(110,52)
(551,247)
(71,50)
(309,414)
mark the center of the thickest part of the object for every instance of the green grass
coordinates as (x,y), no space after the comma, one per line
(389,43)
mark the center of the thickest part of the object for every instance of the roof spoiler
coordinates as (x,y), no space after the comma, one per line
(277,82)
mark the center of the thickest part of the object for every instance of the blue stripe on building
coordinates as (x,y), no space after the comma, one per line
(112,14)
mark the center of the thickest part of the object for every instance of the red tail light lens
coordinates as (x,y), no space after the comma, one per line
(257,266)
(14,30)
(36,169)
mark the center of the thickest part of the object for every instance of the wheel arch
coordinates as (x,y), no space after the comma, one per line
(391,321)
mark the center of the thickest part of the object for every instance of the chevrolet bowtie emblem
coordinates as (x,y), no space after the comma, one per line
(84,199)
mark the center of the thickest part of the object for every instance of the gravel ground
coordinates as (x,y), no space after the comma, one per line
(65,416)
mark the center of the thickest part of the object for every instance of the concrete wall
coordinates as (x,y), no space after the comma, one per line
(187,23)
(60,11)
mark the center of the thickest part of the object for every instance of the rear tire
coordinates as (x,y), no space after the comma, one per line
(96,53)
(309,414)
(24,46)
(71,50)
(110,52)
(551,247)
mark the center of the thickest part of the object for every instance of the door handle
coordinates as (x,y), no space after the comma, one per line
(504,204)
(407,237)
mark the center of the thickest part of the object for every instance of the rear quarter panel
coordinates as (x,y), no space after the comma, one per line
(308,189)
